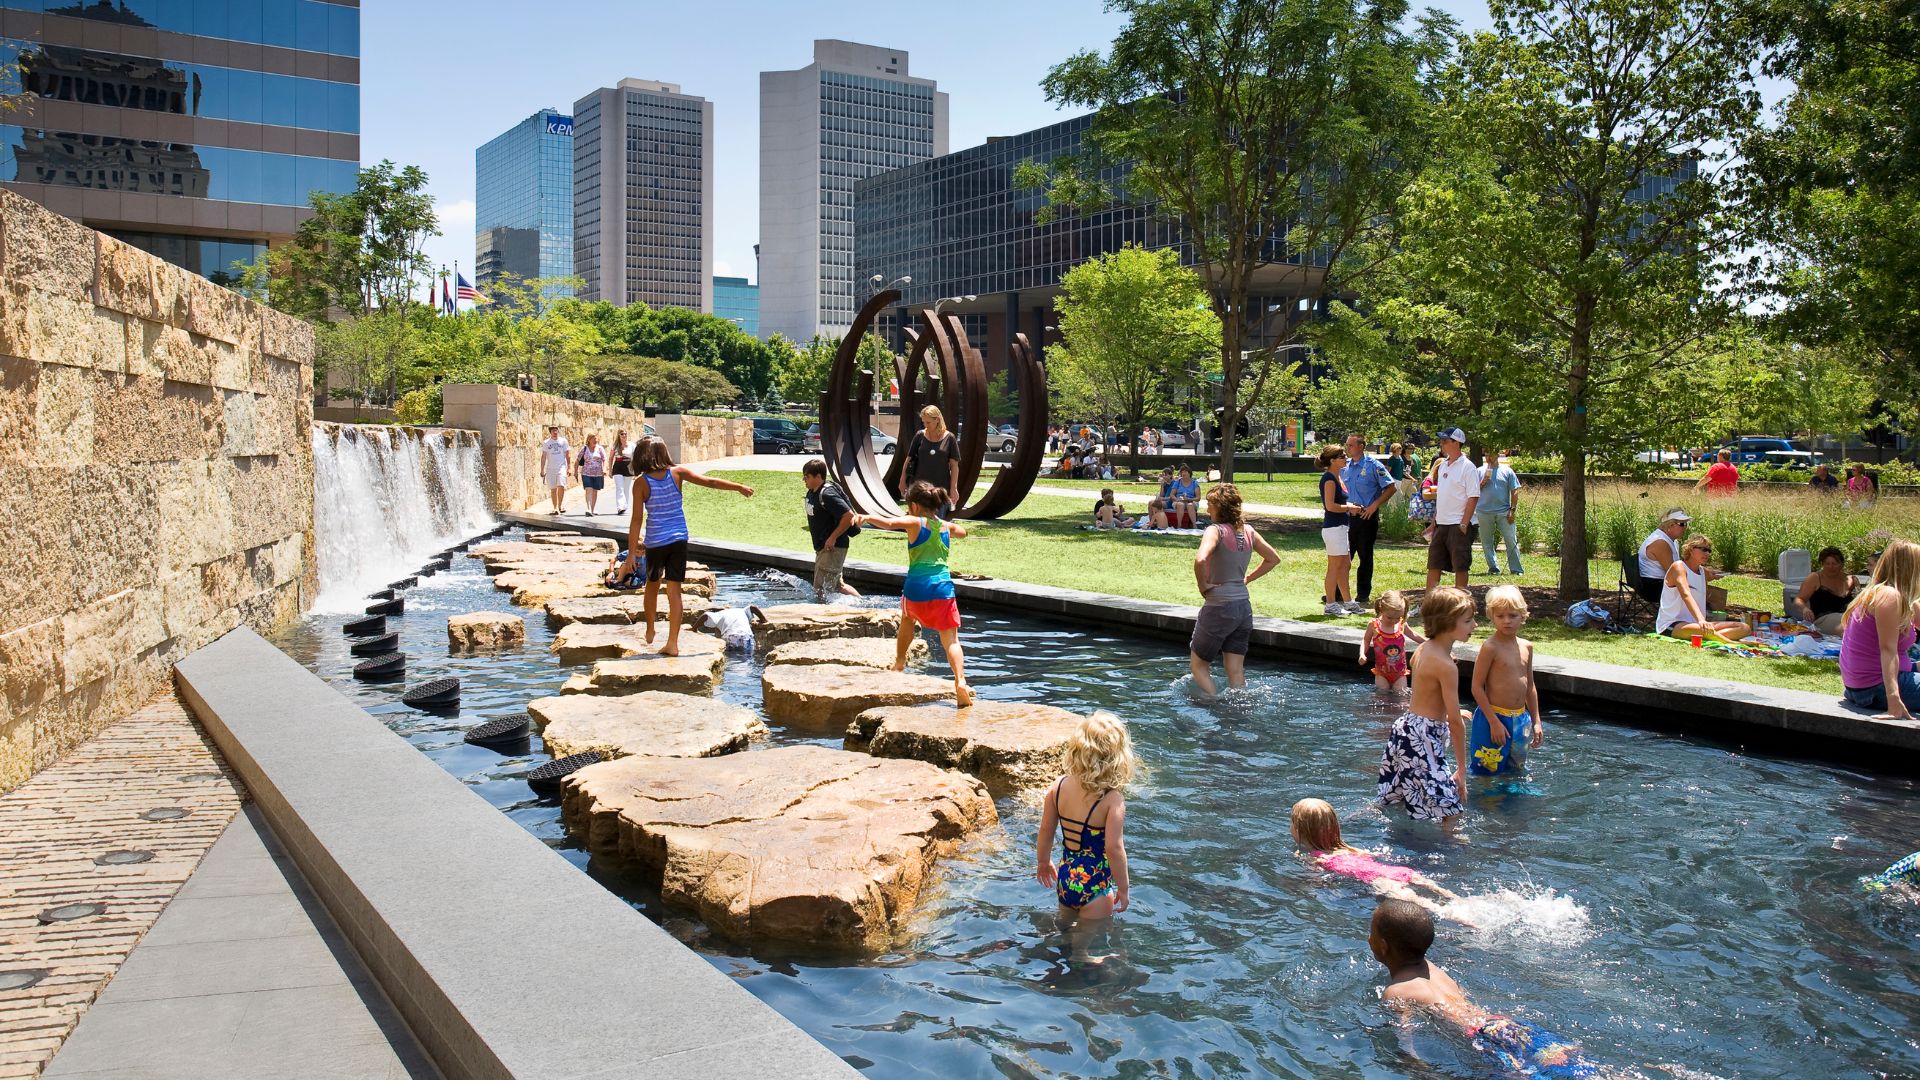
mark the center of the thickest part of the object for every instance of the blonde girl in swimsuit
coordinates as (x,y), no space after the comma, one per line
(1316,828)
(1087,807)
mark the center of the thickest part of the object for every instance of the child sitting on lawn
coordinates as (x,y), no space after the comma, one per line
(1107,513)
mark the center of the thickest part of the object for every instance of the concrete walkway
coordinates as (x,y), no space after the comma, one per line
(243,975)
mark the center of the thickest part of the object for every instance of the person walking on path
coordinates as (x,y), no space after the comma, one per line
(1722,478)
(556,463)
(1224,628)
(1876,650)
(1369,485)
(659,508)
(1499,501)
(933,455)
(593,471)
(621,466)
(1456,494)
(830,523)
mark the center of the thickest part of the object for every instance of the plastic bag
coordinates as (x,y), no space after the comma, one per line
(1587,615)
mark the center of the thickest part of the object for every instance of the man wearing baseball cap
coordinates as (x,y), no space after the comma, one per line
(1658,551)
(1456,496)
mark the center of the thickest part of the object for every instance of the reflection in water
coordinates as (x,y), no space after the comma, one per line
(1662,900)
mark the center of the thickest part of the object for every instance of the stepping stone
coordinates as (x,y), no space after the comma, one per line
(579,682)
(651,723)
(485,631)
(583,643)
(695,673)
(541,591)
(799,844)
(573,541)
(1008,744)
(811,622)
(625,607)
(829,696)
(869,652)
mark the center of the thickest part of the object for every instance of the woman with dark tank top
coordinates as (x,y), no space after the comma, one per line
(1824,596)
(1224,627)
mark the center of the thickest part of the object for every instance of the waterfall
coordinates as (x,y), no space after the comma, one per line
(385,498)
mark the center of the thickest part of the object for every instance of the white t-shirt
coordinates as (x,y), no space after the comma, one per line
(1459,480)
(553,455)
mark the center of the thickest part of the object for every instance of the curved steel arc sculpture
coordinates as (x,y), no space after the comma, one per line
(846,414)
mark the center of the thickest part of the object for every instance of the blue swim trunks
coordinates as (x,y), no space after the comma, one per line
(1487,758)
(1531,1051)
(1904,872)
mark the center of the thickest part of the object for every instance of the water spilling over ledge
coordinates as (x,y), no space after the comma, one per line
(385,498)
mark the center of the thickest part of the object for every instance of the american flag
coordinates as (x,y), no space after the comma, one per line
(464,290)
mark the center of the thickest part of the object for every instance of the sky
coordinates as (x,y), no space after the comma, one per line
(438,81)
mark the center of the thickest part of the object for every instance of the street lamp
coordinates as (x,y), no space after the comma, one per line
(874,283)
(967,299)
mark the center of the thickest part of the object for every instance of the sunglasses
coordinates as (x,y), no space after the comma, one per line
(1704,550)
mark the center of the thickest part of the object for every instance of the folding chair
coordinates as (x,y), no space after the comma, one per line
(1794,567)
(1629,606)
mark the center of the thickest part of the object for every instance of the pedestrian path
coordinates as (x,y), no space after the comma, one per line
(91,849)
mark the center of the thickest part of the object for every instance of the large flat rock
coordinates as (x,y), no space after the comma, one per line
(870,652)
(625,607)
(540,592)
(573,542)
(650,723)
(691,673)
(485,631)
(802,845)
(583,643)
(811,622)
(1008,744)
(829,696)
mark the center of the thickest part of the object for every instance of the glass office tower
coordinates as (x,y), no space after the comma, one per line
(738,300)
(523,201)
(194,129)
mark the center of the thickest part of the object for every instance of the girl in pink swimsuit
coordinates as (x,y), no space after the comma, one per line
(1316,827)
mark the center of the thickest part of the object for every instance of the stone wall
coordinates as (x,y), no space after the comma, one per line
(513,423)
(156,476)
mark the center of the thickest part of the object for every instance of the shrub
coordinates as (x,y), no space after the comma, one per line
(419,406)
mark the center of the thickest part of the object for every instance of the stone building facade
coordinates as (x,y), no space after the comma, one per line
(156,476)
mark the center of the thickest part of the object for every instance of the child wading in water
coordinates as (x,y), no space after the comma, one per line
(1414,770)
(1087,807)
(658,505)
(1384,645)
(1506,704)
(927,597)
(1316,827)
(1400,936)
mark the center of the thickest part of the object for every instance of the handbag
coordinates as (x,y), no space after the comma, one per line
(1419,508)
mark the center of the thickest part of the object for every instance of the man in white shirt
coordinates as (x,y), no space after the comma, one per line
(556,462)
(1456,497)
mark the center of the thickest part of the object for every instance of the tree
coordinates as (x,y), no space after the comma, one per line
(1835,185)
(805,377)
(1132,324)
(360,251)
(1575,226)
(1246,122)
(633,381)
(1790,388)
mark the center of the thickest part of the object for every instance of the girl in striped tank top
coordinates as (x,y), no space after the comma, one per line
(658,507)
(927,599)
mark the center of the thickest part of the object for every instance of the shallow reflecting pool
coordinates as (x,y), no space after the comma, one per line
(1680,907)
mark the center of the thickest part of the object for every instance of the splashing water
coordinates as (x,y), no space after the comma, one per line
(384,498)
(1541,913)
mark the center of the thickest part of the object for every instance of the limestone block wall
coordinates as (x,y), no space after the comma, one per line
(156,476)
(513,423)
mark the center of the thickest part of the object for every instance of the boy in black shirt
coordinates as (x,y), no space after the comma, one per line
(830,521)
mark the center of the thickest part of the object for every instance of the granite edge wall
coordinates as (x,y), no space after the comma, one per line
(156,476)
(513,423)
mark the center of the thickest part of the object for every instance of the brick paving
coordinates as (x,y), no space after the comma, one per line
(53,827)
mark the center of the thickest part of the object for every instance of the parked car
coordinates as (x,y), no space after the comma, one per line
(1753,449)
(811,443)
(776,435)
(1659,457)
(1794,459)
(883,443)
(1173,439)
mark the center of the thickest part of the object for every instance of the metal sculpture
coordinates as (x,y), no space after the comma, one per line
(846,414)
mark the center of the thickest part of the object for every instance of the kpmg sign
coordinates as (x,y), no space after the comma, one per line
(559,125)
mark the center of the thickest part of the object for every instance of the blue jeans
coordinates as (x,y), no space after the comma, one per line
(1875,696)
(1493,523)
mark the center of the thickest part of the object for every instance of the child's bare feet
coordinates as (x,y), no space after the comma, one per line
(899,665)
(650,633)
(963,694)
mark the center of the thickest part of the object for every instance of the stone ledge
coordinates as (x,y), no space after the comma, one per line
(449,902)
(1740,712)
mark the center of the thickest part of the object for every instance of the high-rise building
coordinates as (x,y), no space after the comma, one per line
(523,183)
(853,112)
(195,131)
(643,195)
(738,300)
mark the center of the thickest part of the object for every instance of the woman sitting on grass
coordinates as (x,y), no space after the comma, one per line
(1876,658)
(1683,599)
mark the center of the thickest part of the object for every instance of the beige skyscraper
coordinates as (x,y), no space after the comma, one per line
(853,112)
(643,195)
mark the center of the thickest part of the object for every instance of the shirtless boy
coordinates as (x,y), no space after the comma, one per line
(1506,703)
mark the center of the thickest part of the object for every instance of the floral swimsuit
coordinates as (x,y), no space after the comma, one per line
(1083,875)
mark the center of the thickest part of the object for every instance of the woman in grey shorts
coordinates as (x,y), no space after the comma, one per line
(1225,625)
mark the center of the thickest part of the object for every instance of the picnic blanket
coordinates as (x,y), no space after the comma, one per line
(1144,531)
(1775,641)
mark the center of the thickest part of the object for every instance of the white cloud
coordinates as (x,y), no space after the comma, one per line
(456,217)
(722,268)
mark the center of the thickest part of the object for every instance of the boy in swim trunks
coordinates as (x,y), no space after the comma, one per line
(1400,936)
(1905,872)
(1506,703)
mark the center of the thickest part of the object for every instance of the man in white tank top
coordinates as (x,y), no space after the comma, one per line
(1659,550)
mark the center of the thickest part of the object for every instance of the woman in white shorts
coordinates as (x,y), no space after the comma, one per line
(1336,518)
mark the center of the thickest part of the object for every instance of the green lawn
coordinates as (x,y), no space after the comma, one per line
(1042,542)
(1285,489)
